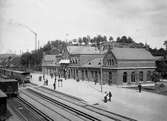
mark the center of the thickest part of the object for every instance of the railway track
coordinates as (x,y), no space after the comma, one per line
(79,102)
(26,111)
(80,114)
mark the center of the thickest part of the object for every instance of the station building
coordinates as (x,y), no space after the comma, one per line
(114,65)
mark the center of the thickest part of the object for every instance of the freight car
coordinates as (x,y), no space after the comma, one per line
(9,86)
(3,104)
(21,76)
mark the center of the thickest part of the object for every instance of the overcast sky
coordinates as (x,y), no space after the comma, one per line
(143,20)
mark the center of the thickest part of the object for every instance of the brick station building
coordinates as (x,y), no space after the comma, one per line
(117,65)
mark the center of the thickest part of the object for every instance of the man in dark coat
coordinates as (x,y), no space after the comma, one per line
(109,95)
(139,86)
(105,97)
(54,85)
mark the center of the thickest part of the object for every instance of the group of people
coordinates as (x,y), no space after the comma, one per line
(60,83)
(107,96)
(45,80)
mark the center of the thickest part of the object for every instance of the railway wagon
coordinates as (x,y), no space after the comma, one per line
(21,76)
(9,86)
(3,103)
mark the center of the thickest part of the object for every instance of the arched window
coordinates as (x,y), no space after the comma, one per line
(83,75)
(86,74)
(148,75)
(75,60)
(133,77)
(110,78)
(112,62)
(141,76)
(110,75)
(125,77)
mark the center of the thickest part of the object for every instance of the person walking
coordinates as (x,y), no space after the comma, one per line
(139,87)
(46,81)
(43,77)
(105,97)
(54,84)
(109,95)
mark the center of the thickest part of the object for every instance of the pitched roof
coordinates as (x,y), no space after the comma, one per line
(82,50)
(96,63)
(132,54)
(87,58)
(49,57)
(49,60)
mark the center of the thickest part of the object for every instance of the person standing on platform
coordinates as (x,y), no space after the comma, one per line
(109,95)
(105,97)
(54,84)
(139,86)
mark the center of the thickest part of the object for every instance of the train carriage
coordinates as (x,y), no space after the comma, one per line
(21,76)
(9,86)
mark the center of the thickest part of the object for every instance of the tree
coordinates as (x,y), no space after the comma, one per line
(85,40)
(118,39)
(165,43)
(25,59)
(80,40)
(155,77)
(110,38)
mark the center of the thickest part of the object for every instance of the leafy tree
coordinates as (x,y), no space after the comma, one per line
(165,43)
(25,59)
(110,38)
(85,40)
(118,39)
(155,77)
(80,40)
(162,68)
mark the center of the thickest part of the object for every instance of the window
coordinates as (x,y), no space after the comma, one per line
(110,75)
(82,74)
(92,74)
(86,73)
(133,77)
(148,75)
(140,76)
(125,77)
(112,62)
(109,61)
(110,78)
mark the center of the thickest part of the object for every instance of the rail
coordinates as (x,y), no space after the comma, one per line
(76,111)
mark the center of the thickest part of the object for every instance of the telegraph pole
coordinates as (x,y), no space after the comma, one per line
(35,40)
(101,72)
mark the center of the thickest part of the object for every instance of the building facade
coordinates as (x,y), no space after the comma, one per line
(112,66)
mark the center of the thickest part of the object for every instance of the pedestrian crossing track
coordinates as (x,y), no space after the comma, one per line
(73,105)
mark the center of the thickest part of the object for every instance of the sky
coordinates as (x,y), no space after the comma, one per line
(143,20)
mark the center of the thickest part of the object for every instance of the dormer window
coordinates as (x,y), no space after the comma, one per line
(89,63)
(99,63)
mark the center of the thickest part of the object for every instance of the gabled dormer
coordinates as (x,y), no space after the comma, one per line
(109,59)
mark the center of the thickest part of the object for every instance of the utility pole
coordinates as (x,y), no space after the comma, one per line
(35,39)
(101,72)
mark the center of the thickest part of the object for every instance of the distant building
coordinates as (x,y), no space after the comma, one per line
(118,65)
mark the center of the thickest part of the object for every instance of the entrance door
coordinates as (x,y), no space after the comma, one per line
(110,78)
(124,77)
(82,74)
